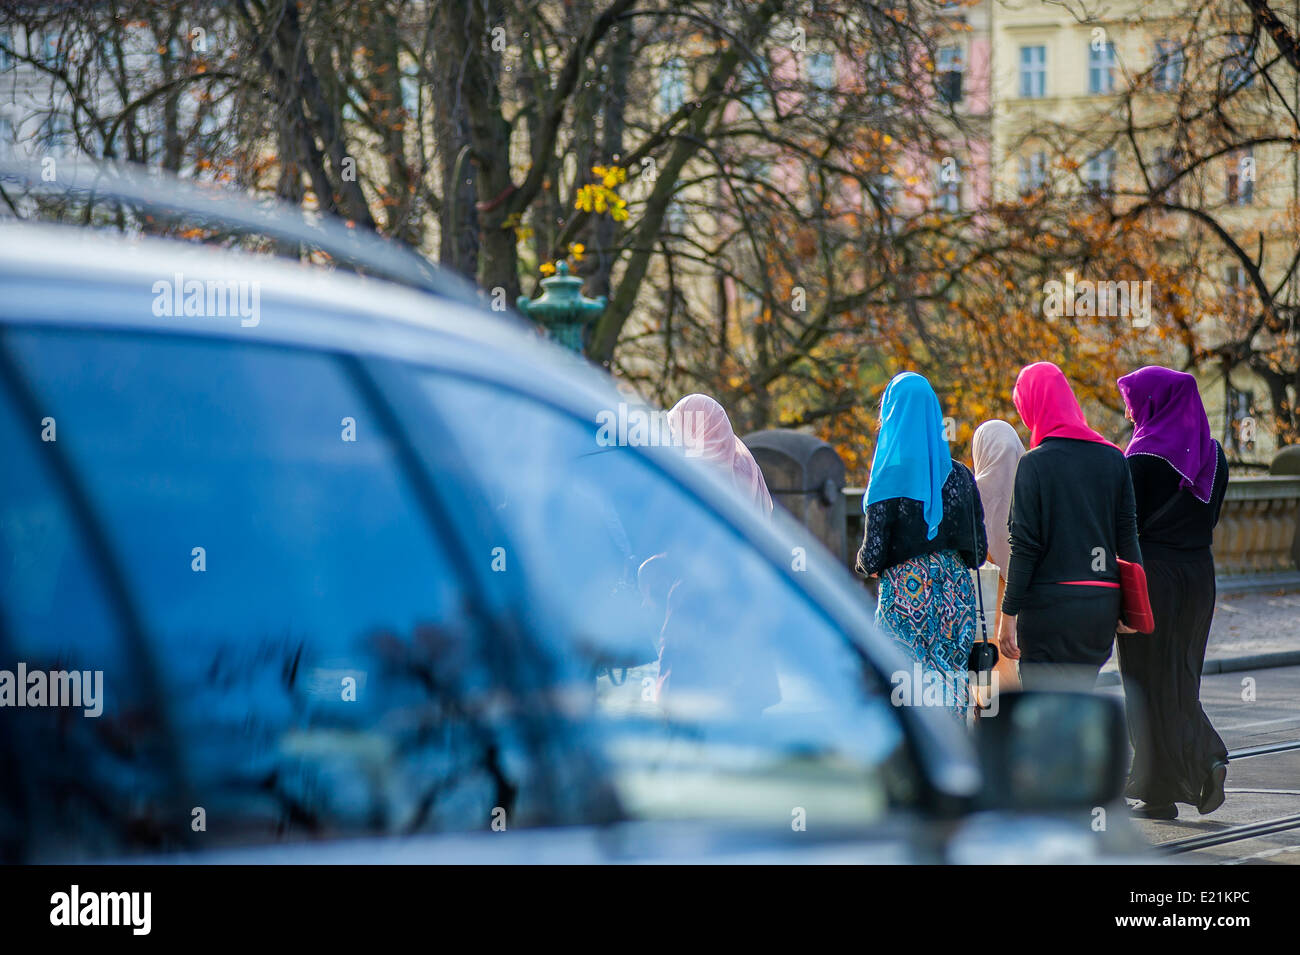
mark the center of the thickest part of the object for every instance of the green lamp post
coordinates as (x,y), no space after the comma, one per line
(562,310)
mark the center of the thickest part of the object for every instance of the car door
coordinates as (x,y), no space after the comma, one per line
(229,535)
(714,689)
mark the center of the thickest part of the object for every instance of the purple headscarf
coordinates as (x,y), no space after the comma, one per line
(1170,423)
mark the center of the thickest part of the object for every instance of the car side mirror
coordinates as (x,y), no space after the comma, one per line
(1053,751)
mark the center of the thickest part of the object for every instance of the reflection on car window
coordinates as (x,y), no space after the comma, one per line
(311,636)
(93,770)
(719,688)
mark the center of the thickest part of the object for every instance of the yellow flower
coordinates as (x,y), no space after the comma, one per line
(576,250)
(547,268)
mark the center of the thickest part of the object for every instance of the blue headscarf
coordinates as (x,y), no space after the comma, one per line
(911,458)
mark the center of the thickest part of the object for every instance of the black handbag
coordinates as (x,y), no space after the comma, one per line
(983,655)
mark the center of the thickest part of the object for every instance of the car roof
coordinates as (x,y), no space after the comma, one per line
(331,308)
(337,310)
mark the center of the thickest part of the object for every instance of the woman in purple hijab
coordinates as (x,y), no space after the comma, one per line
(1179,477)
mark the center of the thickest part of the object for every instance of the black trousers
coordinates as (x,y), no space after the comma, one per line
(1174,744)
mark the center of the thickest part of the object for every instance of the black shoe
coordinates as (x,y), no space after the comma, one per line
(1145,810)
(1212,791)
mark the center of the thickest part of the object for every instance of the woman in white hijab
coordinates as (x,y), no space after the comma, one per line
(996,449)
(701,424)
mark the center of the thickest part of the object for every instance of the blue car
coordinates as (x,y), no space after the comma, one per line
(299,565)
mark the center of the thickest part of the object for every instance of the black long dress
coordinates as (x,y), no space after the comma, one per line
(1174,744)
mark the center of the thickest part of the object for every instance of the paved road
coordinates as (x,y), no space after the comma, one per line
(1255,623)
(1250,708)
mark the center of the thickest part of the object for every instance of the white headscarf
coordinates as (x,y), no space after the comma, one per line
(996,449)
(701,424)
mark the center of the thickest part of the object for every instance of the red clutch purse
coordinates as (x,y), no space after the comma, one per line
(1135,604)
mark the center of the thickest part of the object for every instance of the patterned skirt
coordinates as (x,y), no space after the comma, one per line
(927,604)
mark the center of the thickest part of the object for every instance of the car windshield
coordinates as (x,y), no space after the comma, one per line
(713,686)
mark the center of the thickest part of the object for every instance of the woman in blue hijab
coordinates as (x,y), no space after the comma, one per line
(924,532)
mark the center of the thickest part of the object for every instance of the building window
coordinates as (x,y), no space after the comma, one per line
(1099,173)
(885,72)
(672,86)
(1239,66)
(1033,72)
(1241,420)
(1240,179)
(1101,68)
(1237,292)
(1167,71)
(1165,170)
(410,85)
(950,74)
(6,49)
(675,217)
(1032,175)
(58,136)
(50,49)
(754,85)
(883,200)
(209,125)
(948,195)
(821,72)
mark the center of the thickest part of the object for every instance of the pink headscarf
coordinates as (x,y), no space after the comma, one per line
(704,429)
(1048,407)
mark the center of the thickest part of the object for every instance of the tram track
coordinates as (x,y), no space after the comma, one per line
(1250,830)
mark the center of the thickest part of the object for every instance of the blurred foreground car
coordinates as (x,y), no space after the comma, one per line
(360,570)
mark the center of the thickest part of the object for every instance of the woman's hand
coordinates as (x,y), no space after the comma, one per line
(1007,637)
(1120,628)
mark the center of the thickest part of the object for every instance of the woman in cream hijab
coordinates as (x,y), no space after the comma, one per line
(996,449)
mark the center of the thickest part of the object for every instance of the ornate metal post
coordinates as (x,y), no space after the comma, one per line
(562,311)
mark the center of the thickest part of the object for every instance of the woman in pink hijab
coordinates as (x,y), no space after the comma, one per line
(702,426)
(731,666)
(1072,514)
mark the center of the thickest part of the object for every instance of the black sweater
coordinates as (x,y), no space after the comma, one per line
(1185,531)
(896,528)
(1070,498)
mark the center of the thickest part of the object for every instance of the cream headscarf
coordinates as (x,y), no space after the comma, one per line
(701,424)
(996,449)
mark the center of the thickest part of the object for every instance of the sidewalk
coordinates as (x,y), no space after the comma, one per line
(1247,625)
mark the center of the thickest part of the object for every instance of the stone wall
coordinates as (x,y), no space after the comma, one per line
(1256,533)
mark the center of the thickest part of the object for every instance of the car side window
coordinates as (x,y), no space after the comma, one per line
(83,759)
(313,638)
(719,688)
